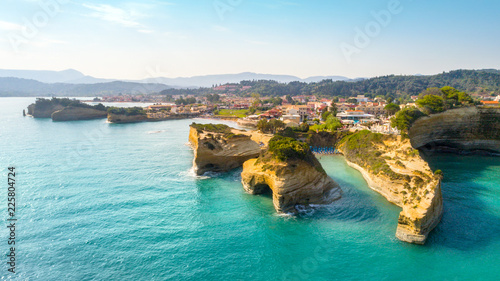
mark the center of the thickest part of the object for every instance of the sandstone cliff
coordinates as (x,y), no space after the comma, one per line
(218,148)
(123,118)
(71,113)
(43,111)
(463,129)
(297,181)
(395,170)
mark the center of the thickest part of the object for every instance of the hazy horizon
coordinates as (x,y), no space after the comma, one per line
(137,40)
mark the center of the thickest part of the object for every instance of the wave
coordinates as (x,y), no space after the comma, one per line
(191,173)
(156,132)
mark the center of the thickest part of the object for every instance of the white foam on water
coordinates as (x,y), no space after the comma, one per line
(155,132)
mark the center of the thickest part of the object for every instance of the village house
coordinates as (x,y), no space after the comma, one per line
(355,116)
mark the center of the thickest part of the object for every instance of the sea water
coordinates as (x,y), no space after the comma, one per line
(99,201)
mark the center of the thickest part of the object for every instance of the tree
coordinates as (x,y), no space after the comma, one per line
(304,127)
(352,100)
(289,99)
(333,109)
(391,109)
(431,91)
(405,118)
(325,115)
(272,126)
(215,98)
(332,123)
(431,104)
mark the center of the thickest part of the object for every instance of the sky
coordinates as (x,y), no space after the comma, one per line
(153,38)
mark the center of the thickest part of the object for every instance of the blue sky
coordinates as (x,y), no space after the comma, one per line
(143,39)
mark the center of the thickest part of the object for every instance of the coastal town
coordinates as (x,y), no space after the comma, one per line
(226,103)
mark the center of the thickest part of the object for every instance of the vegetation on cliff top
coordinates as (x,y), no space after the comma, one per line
(222,129)
(213,128)
(129,111)
(284,148)
(43,104)
(360,148)
(431,101)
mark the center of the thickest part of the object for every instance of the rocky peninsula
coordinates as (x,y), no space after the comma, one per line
(219,148)
(291,172)
(64,109)
(463,130)
(139,114)
(283,166)
(72,113)
(393,168)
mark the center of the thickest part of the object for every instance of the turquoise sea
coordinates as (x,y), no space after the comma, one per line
(98,201)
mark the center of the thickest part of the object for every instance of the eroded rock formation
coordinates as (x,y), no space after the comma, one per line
(43,111)
(393,168)
(293,183)
(222,150)
(462,129)
(71,113)
(290,171)
(123,118)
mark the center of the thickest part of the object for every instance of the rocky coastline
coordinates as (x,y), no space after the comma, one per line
(219,148)
(395,170)
(124,118)
(71,113)
(65,109)
(293,183)
(461,130)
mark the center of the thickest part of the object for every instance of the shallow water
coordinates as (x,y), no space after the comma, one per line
(100,201)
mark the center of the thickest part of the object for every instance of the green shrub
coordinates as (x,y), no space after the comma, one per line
(283,149)
(129,111)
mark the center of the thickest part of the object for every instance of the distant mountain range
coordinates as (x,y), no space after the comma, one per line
(12,87)
(74,83)
(72,76)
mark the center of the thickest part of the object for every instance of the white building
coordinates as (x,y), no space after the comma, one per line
(355,117)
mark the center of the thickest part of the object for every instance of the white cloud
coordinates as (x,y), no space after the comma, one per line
(115,15)
(9,26)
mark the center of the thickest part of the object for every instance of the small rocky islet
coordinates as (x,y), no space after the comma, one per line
(65,109)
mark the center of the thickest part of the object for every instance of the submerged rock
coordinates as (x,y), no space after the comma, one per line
(461,129)
(393,168)
(296,181)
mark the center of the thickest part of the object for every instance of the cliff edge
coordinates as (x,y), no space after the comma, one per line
(71,113)
(65,109)
(462,129)
(291,172)
(219,148)
(393,168)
